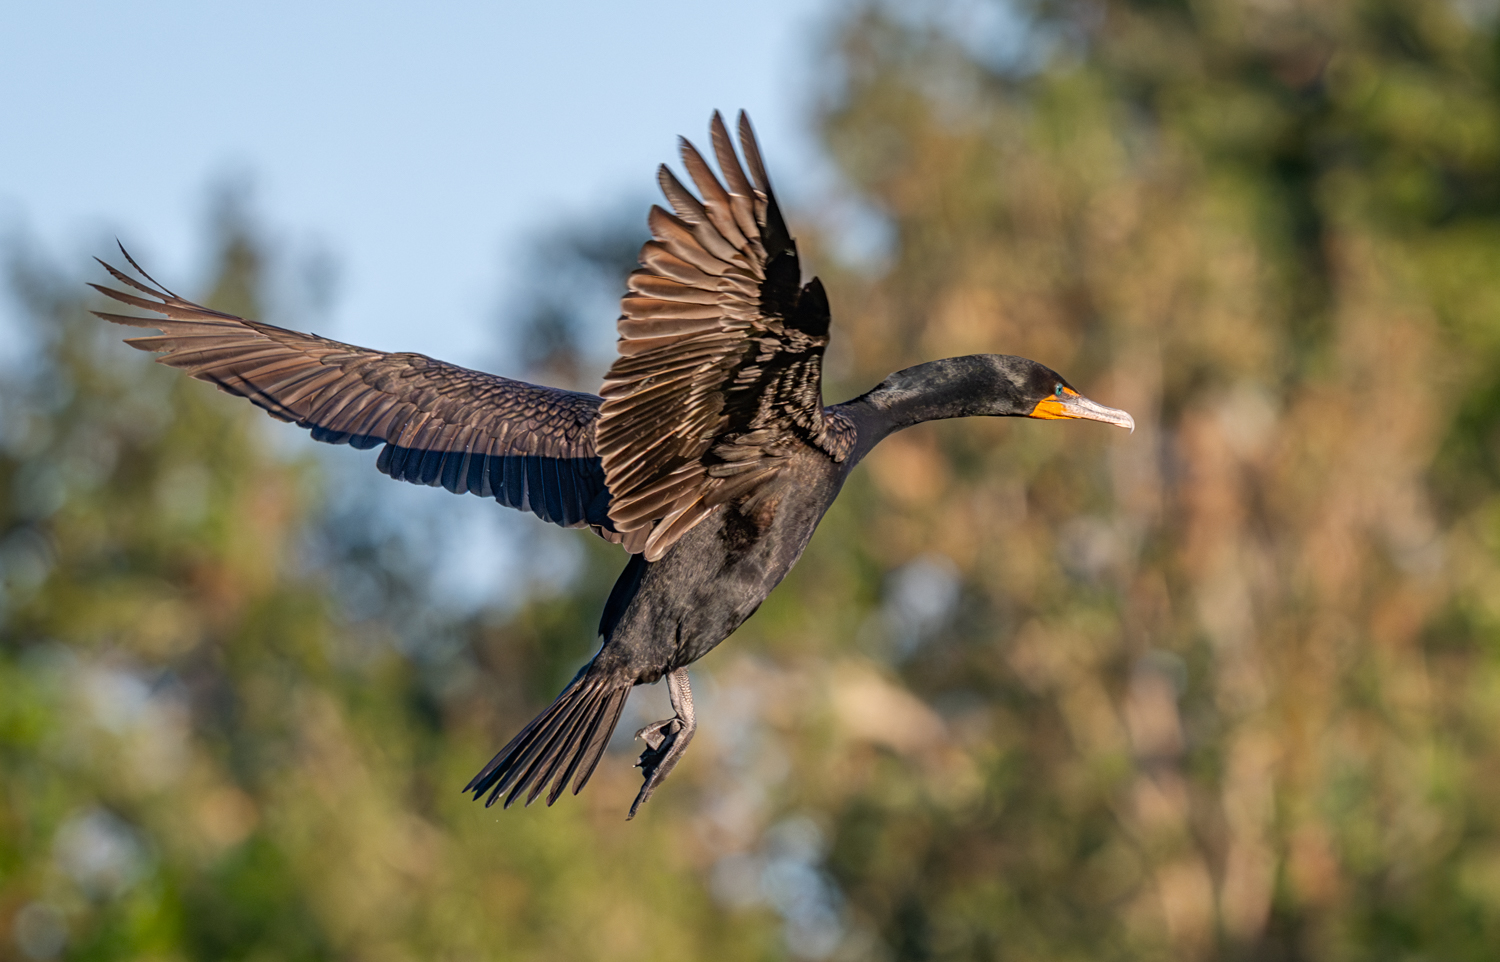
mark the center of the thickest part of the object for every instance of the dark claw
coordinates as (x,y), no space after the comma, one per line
(653,736)
(658,760)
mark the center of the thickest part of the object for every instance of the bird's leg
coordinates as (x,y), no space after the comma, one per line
(666,740)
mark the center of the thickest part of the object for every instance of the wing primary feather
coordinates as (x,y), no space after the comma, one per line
(668,289)
(751,149)
(371,419)
(140,270)
(329,412)
(682,200)
(306,386)
(434,423)
(716,200)
(741,194)
(655,256)
(160,305)
(678,238)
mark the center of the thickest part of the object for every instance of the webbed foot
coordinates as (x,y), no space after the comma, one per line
(666,740)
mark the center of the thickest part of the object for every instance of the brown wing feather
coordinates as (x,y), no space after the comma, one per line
(527,446)
(721,349)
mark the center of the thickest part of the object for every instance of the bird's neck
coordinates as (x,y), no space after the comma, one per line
(954,387)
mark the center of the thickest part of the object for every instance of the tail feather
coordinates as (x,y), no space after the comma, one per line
(571,734)
(557,755)
(529,759)
(544,756)
(596,738)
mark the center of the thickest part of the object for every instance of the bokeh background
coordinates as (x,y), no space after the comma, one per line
(1227,688)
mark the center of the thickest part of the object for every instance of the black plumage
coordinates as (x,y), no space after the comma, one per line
(709,456)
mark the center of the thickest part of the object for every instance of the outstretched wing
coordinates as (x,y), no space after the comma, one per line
(526,446)
(721,352)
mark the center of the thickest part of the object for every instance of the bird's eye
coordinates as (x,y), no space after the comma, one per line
(1058,391)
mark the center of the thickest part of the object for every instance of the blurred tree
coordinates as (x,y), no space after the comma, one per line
(1225,689)
(569,295)
(215,742)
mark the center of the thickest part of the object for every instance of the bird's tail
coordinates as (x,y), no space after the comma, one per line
(567,738)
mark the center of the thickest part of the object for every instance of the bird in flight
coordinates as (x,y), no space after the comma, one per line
(708,454)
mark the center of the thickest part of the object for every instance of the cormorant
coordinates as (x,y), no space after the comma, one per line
(708,454)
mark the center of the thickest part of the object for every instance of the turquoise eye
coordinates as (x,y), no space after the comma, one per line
(1058,391)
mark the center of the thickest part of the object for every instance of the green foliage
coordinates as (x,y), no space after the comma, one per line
(205,757)
(1243,657)
(1227,688)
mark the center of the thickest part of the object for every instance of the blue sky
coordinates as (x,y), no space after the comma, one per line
(417,145)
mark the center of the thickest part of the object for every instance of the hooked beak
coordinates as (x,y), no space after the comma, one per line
(1072,405)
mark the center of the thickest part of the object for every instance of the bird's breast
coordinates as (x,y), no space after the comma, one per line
(698,593)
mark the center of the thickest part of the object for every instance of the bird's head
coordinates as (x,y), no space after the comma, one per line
(1036,391)
(986,385)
